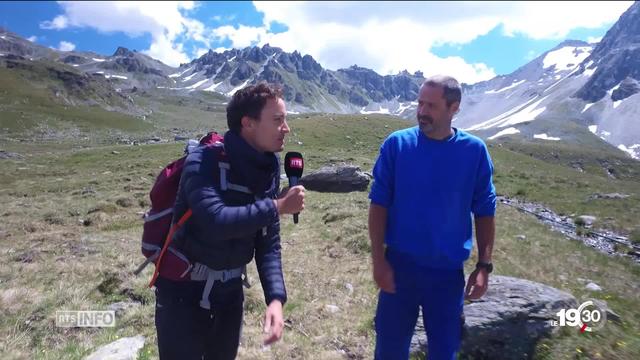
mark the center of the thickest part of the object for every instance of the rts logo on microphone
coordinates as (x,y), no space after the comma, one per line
(296,163)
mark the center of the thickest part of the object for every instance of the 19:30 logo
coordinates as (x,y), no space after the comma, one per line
(589,316)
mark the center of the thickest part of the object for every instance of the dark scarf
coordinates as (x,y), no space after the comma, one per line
(256,169)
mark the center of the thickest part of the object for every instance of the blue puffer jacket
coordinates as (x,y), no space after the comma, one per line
(229,225)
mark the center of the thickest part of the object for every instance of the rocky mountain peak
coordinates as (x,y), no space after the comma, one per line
(617,57)
(270,50)
(123,51)
(573,43)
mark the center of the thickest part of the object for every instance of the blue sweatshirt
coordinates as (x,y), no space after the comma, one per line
(430,189)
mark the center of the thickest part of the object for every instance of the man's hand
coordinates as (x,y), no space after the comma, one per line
(273,322)
(291,200)
(477,284)
(383,275)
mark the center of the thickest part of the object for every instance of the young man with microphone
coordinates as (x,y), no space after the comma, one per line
(234,216)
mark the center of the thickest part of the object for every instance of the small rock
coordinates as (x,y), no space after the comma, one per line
(89,190)
(299,142)
(122,349)
(609,196)
(114,152)
(593,287)
(349,288)
(26,257)
(332,308)
(124,202)
(611,315)
(122,307)
(9,155)
(586,220)
(521,237)
(341,178)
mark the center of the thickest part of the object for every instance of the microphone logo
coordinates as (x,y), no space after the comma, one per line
(296,163)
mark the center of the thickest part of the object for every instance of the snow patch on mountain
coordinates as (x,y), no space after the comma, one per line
(587,106)
(116,76)
(505,88)
(189,77)
(519,114)
(213,87)
(633,151)
(617,103)
(566,58)
(233,91)
(380,110)
(196,85)
(544,136)
(508,131)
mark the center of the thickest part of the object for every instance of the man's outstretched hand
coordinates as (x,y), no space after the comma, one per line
(383,275)
(477,284)
(273,322)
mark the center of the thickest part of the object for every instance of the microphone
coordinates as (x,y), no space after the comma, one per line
(293,166)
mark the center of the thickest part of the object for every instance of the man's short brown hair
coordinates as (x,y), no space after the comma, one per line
(250,101)
(451,90)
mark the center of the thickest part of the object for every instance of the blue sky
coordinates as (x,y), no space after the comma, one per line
(471,40)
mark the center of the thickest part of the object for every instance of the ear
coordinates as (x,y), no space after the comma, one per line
(247,123)
(453,109)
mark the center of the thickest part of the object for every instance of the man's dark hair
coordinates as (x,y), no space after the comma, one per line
(250,101)
(452,92)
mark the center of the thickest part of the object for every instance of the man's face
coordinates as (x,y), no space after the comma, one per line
(433,115)
(267,133)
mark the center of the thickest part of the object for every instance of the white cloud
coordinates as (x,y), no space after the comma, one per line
(58,23)
(593,39)
(199,51)
(66,46)
(389,37)
(241,36)
(385,36)
(32,38)
(163,20)
(554,20)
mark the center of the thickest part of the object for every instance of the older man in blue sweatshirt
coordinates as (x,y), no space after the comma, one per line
(429,181)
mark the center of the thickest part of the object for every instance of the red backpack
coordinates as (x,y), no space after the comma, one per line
(158,229)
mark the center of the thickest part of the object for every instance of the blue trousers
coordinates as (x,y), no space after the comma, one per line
(440,294)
